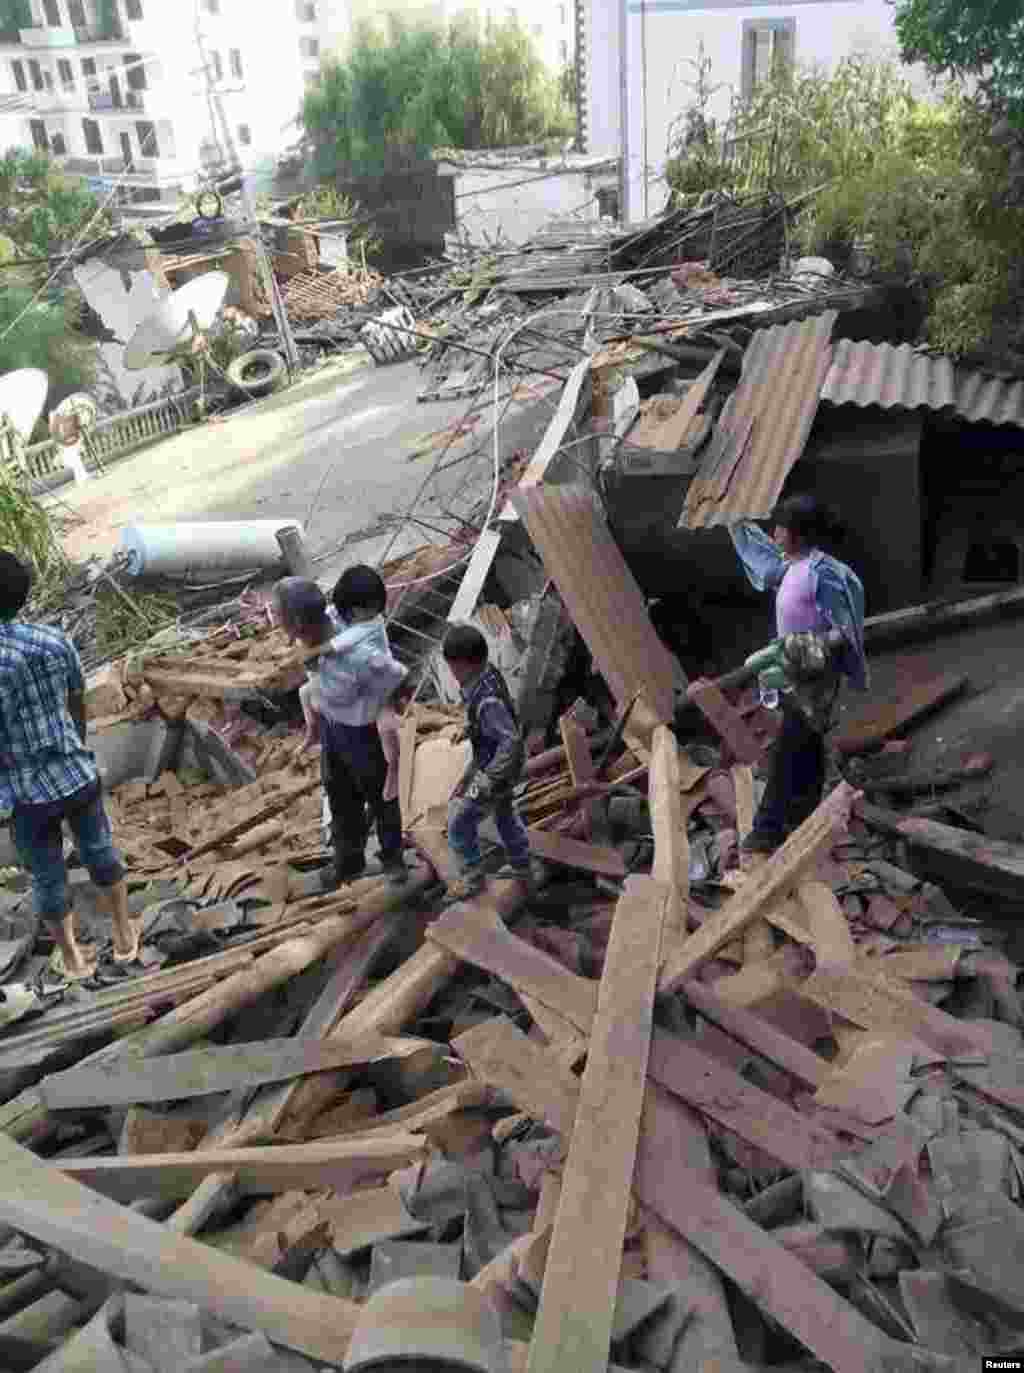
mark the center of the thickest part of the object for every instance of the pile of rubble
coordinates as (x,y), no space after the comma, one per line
(682,1110)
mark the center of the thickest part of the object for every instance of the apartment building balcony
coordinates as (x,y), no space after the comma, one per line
(45,36)
(129,102)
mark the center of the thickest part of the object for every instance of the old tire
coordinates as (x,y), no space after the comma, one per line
(259,372)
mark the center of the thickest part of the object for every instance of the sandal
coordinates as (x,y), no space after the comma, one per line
(56,970)
(110,971)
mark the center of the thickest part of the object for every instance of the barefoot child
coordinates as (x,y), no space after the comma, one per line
(48,777)
(495,768)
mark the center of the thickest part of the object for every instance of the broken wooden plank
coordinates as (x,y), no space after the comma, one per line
(872,726)
(876,1004)
(728,723)
(772,1277)
(874,1084)
(827,925)
(757,1034)
(41,1201)
(725,1097)
(762,889)
(406,761)
(600,593)
(204,1072)
(671,853)
(499,1053)
(574,853)
(272,806)
(965,859)
(339,1165)
(574,1321)
(363,1218)
(582,771)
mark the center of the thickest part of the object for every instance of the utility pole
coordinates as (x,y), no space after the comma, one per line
(216,103)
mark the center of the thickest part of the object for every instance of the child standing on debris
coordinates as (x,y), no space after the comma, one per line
(494,769)
(48,777)
(352,679)
(815,594)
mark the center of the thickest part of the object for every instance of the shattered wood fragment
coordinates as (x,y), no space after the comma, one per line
(339,1165)
(760,891)
(582,771)
(500,1054)
(965,859)
(55,1209)
(574,1320)
(827,925)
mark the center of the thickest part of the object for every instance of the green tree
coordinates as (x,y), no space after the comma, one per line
(46,336)
(41,210)
(412,87)
(983,39)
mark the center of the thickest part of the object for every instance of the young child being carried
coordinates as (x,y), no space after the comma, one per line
(494,769)
(351,681)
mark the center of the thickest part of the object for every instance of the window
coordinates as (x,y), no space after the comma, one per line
(561,15)
(133,9)
(66,73)
(58,145)
(76,13)
(563,51)
(309,47)
(768,47)
(217,65)
(211,6)
(51,11)
(19,76)
(93,137)
(536,30)
(311,78)
(235,61)
(135,72)
(305,11)
(36,72)
(146,131)
(244,135)
(39,139)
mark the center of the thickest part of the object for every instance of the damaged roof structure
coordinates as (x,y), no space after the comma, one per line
(680,1108)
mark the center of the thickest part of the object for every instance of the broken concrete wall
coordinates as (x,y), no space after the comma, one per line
(123,294)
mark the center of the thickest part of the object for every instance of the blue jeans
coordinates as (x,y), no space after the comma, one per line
(796,778)
(465,817)
(39,838)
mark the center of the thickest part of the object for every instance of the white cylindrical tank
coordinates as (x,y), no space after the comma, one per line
(173,550)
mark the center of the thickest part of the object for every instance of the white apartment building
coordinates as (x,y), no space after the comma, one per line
(636,63)
(117,88)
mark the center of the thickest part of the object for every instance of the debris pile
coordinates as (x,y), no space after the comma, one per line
(676,1108)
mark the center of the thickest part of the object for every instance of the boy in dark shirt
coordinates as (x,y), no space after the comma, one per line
(495,768)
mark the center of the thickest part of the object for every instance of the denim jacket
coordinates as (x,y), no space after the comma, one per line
(494,732)
(357,674)
(838,592)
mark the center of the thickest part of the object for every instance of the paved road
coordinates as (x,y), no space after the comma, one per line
(336,451)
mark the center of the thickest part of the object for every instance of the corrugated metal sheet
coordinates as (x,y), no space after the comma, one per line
(902,379)
(764,426)
(894,378)
(989,400)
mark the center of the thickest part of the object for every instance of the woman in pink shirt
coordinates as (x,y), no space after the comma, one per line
(815,595)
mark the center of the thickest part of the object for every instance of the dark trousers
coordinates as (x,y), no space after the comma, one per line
(354,771)
(796,777)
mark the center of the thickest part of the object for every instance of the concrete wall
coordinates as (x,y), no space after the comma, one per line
(662,42)
(513,203)
(123,298)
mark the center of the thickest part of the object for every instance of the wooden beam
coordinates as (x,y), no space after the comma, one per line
(872,726)
(406,761)
(993,866)
(827,925)
(39,1200)
(573,853)
(577,1305)
(760,1036)
(338,1165)
(782,1286)
(728,723)
(272,806)
(499,1053)
(205,1072)
(581,770)
(763,889)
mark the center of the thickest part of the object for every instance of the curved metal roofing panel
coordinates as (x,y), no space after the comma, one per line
(764,426)
(894,378)
(989,400)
